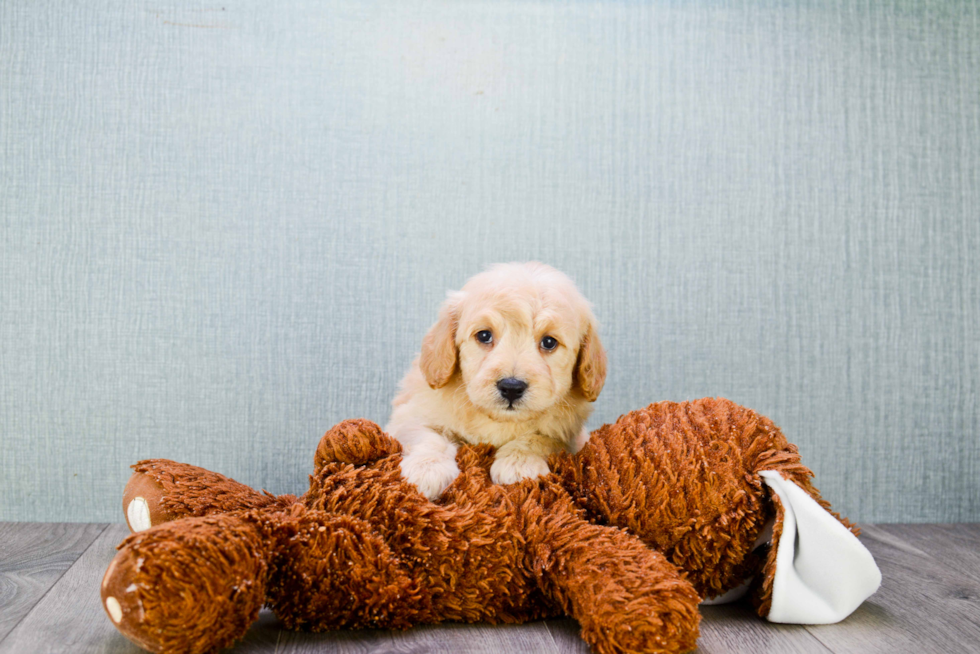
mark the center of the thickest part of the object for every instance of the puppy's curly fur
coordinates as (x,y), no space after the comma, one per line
(514,361)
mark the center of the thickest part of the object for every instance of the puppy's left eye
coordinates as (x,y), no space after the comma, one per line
(548,343)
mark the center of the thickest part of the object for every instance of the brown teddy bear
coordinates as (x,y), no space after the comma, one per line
(670,505)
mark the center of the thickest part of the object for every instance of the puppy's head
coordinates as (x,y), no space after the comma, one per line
(523,340)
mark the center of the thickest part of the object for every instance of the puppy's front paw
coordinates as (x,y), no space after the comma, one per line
(431,473)
(514,467)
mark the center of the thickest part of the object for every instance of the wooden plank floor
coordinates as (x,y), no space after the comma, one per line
(929,602)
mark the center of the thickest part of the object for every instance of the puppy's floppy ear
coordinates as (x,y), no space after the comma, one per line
(590,368)
(438,359)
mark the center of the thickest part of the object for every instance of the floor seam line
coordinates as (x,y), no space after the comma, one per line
(55,583)
(815,637)
(275,650)
(547,627)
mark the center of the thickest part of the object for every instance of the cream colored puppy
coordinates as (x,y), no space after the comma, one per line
(515,361)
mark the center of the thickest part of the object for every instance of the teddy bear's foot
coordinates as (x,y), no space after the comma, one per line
(142,503)
(189,586)
(625,596)
(637,606)
(161,491)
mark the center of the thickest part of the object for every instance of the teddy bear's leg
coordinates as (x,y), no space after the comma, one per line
(816,571)
(690,480)
(193,585)
(161,490)
(626,596)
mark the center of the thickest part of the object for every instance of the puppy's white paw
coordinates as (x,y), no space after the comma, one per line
(431,473)
(579,441)
(514,467)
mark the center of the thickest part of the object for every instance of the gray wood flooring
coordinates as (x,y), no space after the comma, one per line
(929,602)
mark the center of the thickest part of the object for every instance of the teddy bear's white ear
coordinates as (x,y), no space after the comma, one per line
(823,572)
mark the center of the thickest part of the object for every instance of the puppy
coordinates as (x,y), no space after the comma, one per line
(515,361)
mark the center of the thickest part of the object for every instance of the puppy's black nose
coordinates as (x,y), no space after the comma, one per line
(511,388)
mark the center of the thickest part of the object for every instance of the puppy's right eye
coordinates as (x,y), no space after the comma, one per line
(484,336)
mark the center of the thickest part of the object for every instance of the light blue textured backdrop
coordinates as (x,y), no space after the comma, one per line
(227,227)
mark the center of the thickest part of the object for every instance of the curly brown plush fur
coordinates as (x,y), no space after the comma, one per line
(657,511)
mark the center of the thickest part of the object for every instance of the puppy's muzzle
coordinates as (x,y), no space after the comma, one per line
(511,389)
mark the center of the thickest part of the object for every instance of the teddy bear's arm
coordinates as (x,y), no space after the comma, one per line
(161,490)
(626,596)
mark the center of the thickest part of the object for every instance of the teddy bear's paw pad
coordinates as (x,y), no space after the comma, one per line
(113,608)
(138,514)
(142,503)
(823,572)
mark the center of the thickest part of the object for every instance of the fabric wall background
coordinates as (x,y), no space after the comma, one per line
(227,227)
